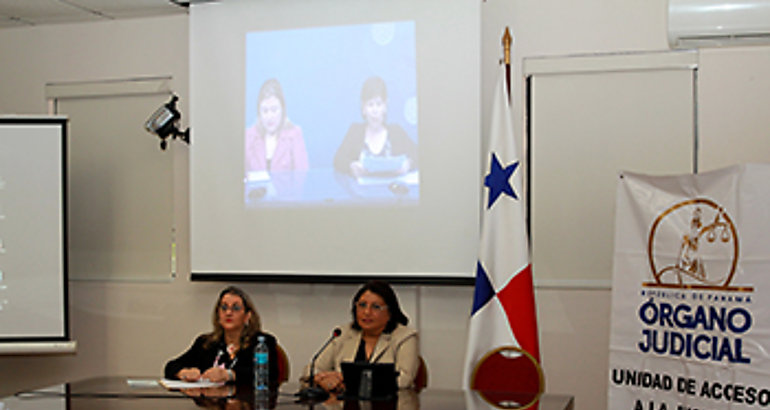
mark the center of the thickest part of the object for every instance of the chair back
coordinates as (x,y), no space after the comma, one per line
(283,364)
(508,374)
(421,378)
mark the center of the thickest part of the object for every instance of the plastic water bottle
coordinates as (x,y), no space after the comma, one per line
(261,365)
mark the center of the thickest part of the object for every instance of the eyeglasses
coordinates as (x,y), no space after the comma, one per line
(375,306)
(234,308)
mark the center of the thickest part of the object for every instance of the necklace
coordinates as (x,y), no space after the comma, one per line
(231,349)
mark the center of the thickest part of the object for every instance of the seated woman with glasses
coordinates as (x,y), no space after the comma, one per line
(377,334)
(226,354)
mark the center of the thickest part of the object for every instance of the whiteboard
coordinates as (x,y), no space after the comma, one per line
(591,117)
(33,263)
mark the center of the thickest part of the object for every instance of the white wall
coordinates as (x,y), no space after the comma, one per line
(132,328)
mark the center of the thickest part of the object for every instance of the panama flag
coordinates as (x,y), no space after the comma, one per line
(503,303)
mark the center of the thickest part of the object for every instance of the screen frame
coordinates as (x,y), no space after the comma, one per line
(62,123)
(331,279)
(451,268)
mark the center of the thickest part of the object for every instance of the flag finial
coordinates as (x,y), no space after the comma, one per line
(507,40)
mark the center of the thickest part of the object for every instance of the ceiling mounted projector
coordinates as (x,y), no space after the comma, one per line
(185,4)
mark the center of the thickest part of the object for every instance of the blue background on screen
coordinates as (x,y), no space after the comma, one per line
(321,71)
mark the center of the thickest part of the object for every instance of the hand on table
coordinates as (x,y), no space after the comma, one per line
(189,374)
(215,374)
(330,381)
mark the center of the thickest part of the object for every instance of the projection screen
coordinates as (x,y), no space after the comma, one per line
(334,140)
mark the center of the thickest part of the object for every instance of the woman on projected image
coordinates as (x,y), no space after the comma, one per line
(374,147)
(377,334)
(273,143)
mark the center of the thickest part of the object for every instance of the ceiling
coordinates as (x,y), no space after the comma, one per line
(21,13)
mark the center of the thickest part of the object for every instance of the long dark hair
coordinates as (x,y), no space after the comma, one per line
(252,327)
(383,290)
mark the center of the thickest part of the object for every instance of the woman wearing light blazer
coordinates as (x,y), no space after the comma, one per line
(378,334)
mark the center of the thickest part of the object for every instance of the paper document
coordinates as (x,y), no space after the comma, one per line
(178,384)
(139,383)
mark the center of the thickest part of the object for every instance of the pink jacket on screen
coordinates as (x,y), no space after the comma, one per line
(290,153)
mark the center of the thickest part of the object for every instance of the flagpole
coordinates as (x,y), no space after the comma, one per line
(503,315)
(507,40)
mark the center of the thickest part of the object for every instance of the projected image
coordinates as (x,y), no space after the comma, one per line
(273,143)
(331,116)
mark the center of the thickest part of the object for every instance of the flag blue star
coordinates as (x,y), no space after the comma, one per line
(499,180)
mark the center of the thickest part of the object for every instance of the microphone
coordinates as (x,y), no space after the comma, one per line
(313,392)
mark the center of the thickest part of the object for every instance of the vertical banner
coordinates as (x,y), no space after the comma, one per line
(691,291)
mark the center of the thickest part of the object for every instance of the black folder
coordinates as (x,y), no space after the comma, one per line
(380,378)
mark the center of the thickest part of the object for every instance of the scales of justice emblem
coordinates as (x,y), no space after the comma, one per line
(694,245)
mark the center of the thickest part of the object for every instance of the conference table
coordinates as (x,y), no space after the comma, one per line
(146,393)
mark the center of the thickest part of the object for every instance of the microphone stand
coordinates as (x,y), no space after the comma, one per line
(315,393)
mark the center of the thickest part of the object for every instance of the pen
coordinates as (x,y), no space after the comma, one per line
(216,360)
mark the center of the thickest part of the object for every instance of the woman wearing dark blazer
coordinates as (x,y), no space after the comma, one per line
(226,354)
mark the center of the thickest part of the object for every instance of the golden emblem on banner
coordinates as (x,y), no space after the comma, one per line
(694,245)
